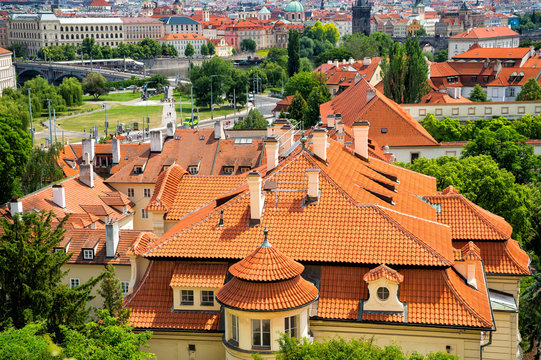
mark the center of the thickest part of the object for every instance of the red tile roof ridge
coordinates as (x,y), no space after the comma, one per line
(383,271)
(470,251)
(166,187)
(144,236)
(471,309)
(513,244)
(449,259)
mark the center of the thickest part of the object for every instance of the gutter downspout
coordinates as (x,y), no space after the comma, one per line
(485,345)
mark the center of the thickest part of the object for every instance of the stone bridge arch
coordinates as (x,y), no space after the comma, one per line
(29,74)
(58,79)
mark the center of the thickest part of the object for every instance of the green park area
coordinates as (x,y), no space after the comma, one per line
(115,115)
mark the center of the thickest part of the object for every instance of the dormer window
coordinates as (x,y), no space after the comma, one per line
(88,254)
(137,169)
(383,283)
(383,293)
(193,169)
(244,169)
(59,250)
(207,298)
(228,170)
(186,297)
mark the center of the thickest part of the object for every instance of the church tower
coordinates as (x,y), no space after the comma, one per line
(361,17)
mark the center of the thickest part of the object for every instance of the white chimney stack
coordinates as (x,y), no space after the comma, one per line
(313,184)
(339,125)
(86,174)
(112,237)
(59,195)
(367,61)
(170,132)
(351,61)
(116,151)
(360,136)
(319,139)
(156,141)
(272,147)
(330,121)
(336,63)
(257,198)
(219,130)
(15,206)
(88,151)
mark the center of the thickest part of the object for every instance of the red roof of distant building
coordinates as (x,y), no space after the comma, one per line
(486,33)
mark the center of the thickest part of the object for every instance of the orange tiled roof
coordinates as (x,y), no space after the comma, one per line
(467,220)
(257,296)
(99,3)
(493,53)
(383,271)
(437,297)
(266,263)
(150,304)
(389,236)
(197,274)
(182,36)
(486,32)
(166,188)
(470,252)
(78,239)
(501,257)
(436,97)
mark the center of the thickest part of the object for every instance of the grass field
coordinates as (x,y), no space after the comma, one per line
(204,113)
(262,52)
(117,114)
(122,96)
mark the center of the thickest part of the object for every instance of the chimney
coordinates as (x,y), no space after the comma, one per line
(367,61)
(339,125)
(116,150)
(351,61)
(344,61)
(370,94)
(470,256)
(337,118)
(86,174)
(271,146)
(336,63)
(330,121)
(360,136)
(257,199)
(156,141)
(170,132)
(329,62)
(112,236)
(88,151)
(219,130)
(59,195)
(313,184)
(15,206)
(319,138)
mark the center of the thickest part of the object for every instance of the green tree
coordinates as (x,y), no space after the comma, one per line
(278,56)
(150,48)
(394,73)
(18,50)
(31,274)
(216,70)
(530,91)
(297,108)
(94,84)
(530,314)
(212,48)
(428,55)
(480,179)
(532,239)
(15,148)
(302,82)
(293,53)
(234,51)
(88,44)
(15,103)
(331,33)
(189,51)
(108,338)
(41,169)
(478,94)
(318,96)
(446,129)
(111,292)
(421,32)
(40,91)
(441,56)
(237,89)
(29,343)
(71,91)
(204,50)
(254,120)
(334,54)
(416,80)
(158,80)
(248,45)
(305,65)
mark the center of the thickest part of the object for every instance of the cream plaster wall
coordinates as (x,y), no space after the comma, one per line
(196,299)
(175,346)
(506,339)
(140,202)
(403,153)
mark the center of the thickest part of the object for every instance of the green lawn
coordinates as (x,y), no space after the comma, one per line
(262,52)
(204,113)
(86,107)
(117,114)
(123,96)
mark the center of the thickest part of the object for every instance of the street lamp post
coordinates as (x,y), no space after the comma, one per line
(191,97)
(50,122)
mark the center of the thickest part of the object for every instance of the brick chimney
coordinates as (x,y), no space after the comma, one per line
(156,141)
(59,195)
(360,136)
(15,206)
(330,121)
(271,147)
(112,237)
(257,198)
(313,184)
(339,125)
(88,150)
(116,151)
(320,143)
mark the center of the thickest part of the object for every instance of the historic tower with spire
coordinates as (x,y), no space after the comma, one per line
(361,17)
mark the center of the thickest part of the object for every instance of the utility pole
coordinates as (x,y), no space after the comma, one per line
(31,124)
(50,122)
(234,100)
(54,123)
(180,103)
(191,97)
(106,123)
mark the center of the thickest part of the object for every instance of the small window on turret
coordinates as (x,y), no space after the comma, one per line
(291,326)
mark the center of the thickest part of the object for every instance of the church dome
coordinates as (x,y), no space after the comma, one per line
(294,6)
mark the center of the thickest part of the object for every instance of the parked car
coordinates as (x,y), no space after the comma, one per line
(112,88)
(188,121)
(131,87)
(121,88)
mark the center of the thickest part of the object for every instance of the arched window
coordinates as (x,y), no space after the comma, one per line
(61,28)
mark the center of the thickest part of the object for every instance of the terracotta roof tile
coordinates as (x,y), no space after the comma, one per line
(471,252)
(493,53)
(501,257)
(166,188)
(383,271)
(197,274)
(151,304)
(486,32)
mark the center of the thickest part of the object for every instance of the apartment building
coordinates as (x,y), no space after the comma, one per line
(487,37)
(139,28)
(7,70)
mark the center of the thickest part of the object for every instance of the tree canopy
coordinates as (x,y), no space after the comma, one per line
(530,91)
(189,51)
(478,94)
(293,53)
(254,120)
(319,95)
(94,84)
(248,45)
(303,83)
(297,108)
(333,54)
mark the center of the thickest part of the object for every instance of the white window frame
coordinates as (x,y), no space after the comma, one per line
(88,254)
(235,328)
(144,214)
(74,282)
(205,295)
(291,326)
(186,293)
(147,193)
(260,335)
(124,286)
